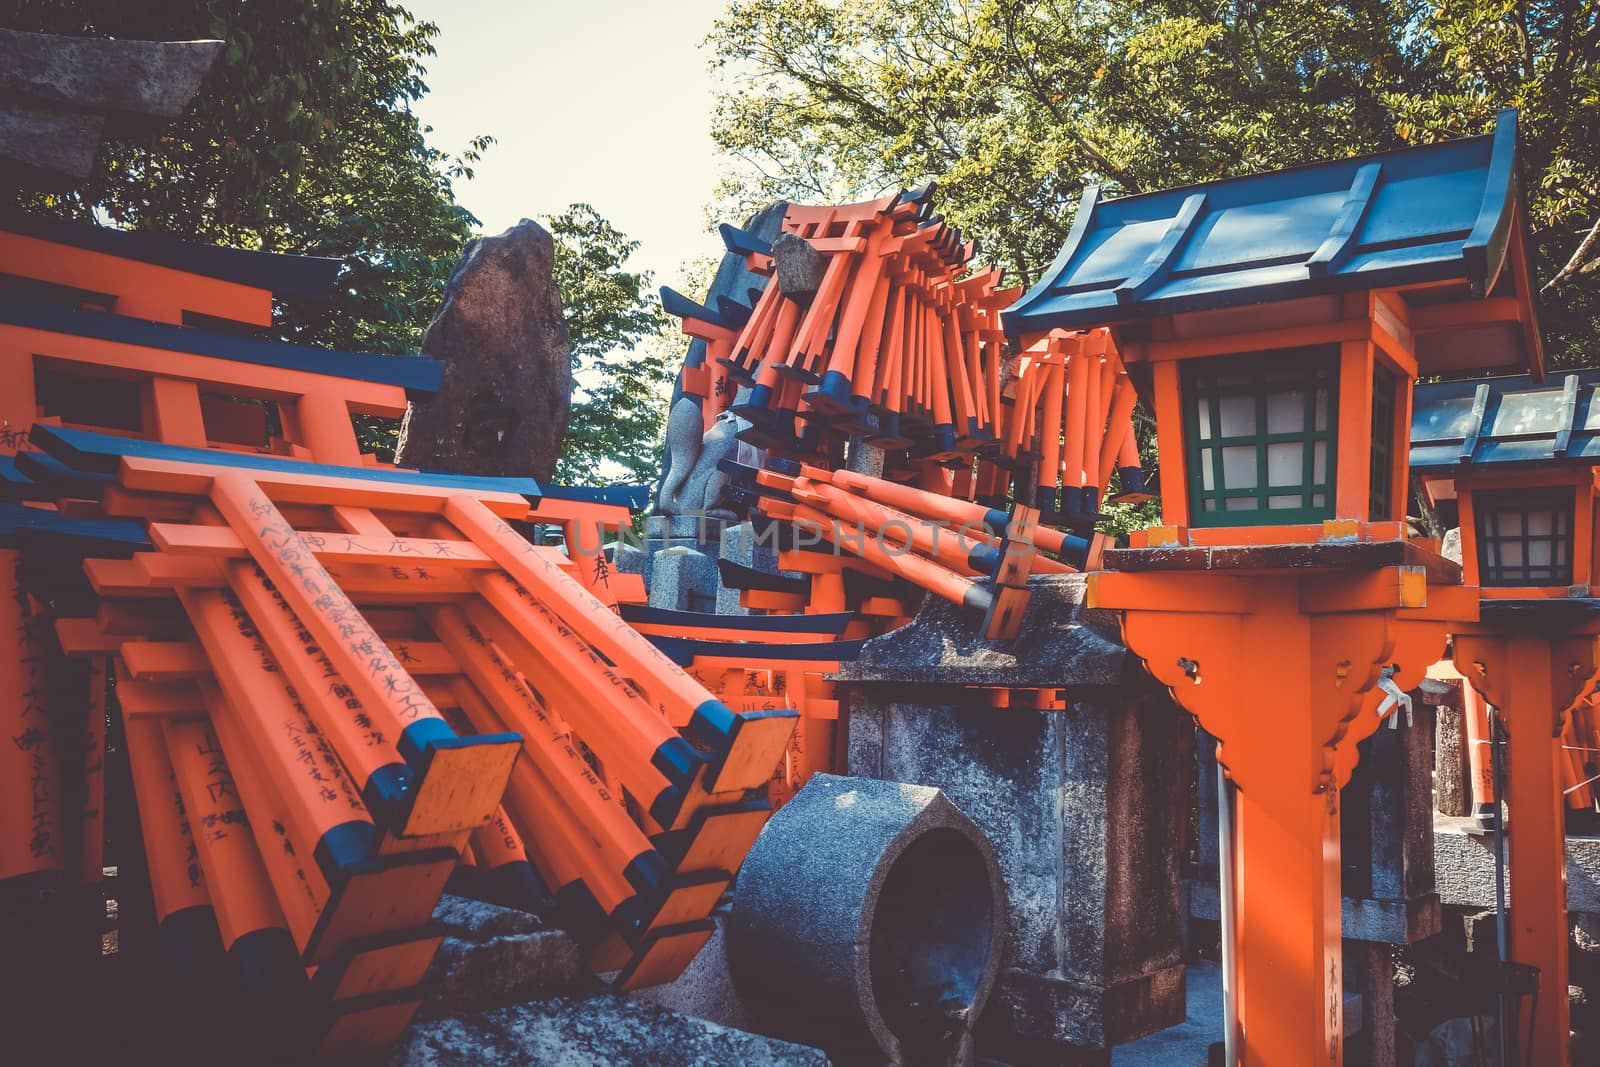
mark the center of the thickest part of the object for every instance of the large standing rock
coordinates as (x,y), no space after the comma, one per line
(502,407)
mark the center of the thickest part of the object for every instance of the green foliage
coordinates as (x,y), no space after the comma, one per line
(300,140)
(624,353)
(1014,107)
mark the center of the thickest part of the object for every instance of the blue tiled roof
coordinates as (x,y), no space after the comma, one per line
(1435,212)
(1506,420)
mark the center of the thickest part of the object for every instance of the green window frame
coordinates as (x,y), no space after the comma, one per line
(1525,536)
(1268,424)
(1381,491)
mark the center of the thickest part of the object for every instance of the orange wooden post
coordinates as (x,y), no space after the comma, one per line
(369,754)
(628,734)
(1476,714)
(1534,681)
(253,928)
(91,863)
(458,785)
(504,859)
(1311,649)
(733,738)
(177,881)
(616,859)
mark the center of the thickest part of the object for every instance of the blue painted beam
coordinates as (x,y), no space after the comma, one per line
(409,372)
(287,276)
(84,450)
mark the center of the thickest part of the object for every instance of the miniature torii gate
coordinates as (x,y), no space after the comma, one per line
(1278,322)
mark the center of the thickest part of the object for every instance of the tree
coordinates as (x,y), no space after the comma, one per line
(624,352)
(300,140)
(1014,107)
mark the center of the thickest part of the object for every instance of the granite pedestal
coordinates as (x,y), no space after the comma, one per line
(1087,809)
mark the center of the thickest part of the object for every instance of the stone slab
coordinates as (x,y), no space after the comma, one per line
(1464,866)
(493,956)
(1186,1044)
(1390,922)
(1060,644)
(603,1031)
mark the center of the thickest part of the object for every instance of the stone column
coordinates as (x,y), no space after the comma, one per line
(1087,808)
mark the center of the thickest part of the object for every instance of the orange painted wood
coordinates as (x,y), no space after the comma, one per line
(239,379)
(299,887)
(143,290)
(177,880)
(31,827)
(661,680)
(390,696)
(220,542)
(235,877)
(296,760)
(283,487)
(1535,681)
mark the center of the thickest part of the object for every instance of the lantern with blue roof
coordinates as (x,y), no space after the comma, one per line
(1276,324)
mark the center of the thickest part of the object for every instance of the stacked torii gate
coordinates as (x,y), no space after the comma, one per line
(337,678)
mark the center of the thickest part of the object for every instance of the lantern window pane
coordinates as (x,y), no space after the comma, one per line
(1286,463)
(1524,536)
(1239,466)
(1286,411)
(1238,416)
(1259,433)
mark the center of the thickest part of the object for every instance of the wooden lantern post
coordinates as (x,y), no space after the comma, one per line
(1519,460)
(1277,324)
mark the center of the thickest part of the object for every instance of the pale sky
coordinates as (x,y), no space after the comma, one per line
(603,101)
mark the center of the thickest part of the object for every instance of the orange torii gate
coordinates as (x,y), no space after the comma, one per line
(505,612)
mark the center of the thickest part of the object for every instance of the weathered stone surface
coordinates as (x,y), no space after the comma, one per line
(1060,644)
(1464,866)
(734,281)
(59,93)
(507,390)
(493,956)
(1369,974)
(104,75)
(604,1031)
(1185,1044)
(682,579)
(739,546)
(45,139)
(1386,835)
(694,482)
(869,913)
(1452,790)
(799,267)
(1088,811)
